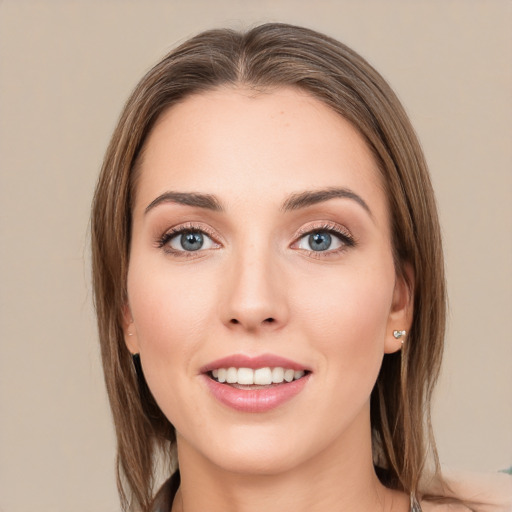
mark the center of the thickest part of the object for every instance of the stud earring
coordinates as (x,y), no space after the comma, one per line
(399,334)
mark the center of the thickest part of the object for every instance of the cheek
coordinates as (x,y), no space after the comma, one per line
(168,308)
(347,329)
(346,315)
(169,328)
(172,316)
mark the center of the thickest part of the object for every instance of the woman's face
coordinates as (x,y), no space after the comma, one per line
(261,241)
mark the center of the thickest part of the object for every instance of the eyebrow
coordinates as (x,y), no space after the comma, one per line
(206,201)
(312,197)
(296,201)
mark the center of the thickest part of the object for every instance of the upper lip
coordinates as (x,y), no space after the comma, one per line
(254,362)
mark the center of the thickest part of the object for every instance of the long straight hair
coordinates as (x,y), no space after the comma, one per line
(263,58)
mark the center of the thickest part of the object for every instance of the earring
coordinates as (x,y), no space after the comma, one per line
(399,334)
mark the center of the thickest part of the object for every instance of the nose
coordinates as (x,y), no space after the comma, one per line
(255,293)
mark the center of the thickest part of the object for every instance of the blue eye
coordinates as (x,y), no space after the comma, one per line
(320,241)
(323,240)
(189,241)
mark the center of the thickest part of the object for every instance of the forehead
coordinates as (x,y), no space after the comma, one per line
(232,142)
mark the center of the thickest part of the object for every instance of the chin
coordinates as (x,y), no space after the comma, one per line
(253,460)
(250,450)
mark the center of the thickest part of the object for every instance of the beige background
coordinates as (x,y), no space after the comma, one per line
(66,67)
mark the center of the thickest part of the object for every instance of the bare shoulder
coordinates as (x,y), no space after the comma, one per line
(428,506)
(475,492)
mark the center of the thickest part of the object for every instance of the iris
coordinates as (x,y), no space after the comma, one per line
(191,241)
(319,241)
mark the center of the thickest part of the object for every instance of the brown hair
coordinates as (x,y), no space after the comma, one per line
(270,56)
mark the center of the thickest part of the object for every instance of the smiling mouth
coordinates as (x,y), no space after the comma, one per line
(255,385)
(253,379)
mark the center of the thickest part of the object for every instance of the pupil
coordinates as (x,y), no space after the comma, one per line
(192,241)
(320,241)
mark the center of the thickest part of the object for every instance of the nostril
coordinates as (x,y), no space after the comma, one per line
(269,320)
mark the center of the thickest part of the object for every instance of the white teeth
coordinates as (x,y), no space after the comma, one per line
(245,376)
(277,375)
(232,375)
(261,376)
(288,375)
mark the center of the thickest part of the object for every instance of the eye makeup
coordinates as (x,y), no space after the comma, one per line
(322,234)
(318,240)
(199,234)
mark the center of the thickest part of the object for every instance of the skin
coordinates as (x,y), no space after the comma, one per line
(259,288)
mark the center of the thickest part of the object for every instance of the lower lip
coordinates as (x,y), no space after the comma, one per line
(255,400)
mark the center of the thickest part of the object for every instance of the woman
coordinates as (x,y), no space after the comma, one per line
(269,281)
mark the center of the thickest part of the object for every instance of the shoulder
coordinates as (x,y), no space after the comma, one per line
(428,506)
(476,492)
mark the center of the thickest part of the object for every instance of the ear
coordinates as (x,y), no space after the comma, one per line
(129,331)
(402,308)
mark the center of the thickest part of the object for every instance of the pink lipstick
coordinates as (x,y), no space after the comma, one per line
(255,384)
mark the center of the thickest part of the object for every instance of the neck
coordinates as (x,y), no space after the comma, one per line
(341,478)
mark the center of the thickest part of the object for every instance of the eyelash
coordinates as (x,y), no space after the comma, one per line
(346,239)
(163,241)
